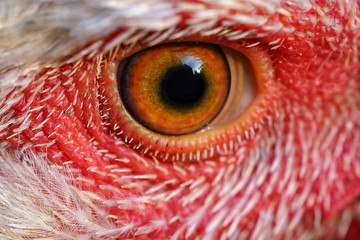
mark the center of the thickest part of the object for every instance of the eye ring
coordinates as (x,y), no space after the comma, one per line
(202,145)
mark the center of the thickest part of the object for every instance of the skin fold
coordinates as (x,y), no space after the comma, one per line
(70,168)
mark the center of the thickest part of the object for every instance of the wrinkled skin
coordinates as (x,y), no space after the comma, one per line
(291,171)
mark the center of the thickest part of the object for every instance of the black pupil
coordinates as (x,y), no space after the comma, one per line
(182,86)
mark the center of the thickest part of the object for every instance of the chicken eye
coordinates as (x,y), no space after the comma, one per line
(175,89)
(182,101)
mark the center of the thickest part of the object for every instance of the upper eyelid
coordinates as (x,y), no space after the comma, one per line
(58,39)
(153,32)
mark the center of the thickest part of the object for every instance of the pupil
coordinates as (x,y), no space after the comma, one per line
(181,86)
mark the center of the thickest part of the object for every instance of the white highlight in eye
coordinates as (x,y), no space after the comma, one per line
(193,62)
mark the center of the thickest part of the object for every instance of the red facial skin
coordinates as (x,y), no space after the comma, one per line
(296,175)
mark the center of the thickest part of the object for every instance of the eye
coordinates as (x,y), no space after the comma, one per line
(183,101)
(175,89)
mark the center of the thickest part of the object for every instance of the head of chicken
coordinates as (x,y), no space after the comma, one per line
(292,171)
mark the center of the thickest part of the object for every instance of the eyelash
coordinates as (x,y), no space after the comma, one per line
(241,133)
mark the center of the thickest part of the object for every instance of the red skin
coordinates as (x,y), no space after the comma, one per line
(312,95)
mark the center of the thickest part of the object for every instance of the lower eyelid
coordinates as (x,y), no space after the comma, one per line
(201,145)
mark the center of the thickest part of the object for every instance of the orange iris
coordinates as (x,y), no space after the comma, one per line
(175,89)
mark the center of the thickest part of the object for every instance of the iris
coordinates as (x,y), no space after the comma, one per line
(175,89)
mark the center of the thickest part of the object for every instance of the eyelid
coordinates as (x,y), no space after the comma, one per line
(227,137)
